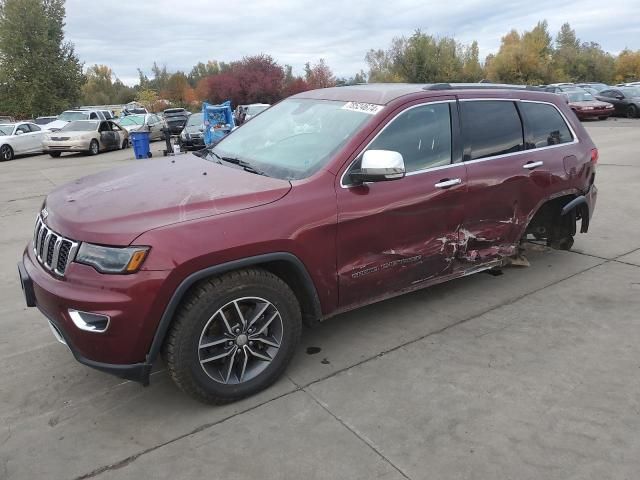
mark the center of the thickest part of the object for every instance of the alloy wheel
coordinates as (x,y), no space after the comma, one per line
(240,340)
(6,153)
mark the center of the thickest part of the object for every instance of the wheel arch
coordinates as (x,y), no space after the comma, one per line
(283,264)
(567,206)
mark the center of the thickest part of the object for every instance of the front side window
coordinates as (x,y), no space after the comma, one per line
(24,128)
(295,138)
(545,125)
(490,128)
(422,135)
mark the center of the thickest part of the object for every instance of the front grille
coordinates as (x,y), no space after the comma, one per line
(53,251)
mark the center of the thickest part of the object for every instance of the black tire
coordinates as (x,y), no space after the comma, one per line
(125,144)
(94,147)
(182,343)
(149,155)
(55,154)
(6,153)
(632,111)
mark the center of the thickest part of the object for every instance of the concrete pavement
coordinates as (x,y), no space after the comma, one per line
(532,374)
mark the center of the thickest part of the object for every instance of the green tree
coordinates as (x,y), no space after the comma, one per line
(39,72)
(472,70)
(565,56)
(202,70)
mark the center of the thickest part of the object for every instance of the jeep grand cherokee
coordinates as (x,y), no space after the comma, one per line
(330,200)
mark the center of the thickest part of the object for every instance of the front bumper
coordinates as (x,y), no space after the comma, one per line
(192,142)
(48,147)
(588,114)
(129,301)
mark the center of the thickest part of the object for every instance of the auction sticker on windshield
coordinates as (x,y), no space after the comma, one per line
(370,108)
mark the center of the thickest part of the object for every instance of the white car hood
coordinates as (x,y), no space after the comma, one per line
(55,125)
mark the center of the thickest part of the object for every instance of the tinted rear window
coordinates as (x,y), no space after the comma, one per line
(545,125)
(490,128)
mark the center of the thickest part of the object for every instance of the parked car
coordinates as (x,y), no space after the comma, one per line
(6,119)
(72,115)
(149,122)
(626,100)
(252,110)
(133,111)
(176,119)
(89,136)
(560,87)
(19,138)
(598,87)
(192,136)
(323,203)
(586,106)
(44,120)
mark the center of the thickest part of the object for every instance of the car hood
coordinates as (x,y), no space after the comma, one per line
(116,206)
(56,124)
(133,128)
(70,134)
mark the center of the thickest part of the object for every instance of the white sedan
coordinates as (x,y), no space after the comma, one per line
(19,138)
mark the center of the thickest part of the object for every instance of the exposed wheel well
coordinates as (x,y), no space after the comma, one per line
(551,225)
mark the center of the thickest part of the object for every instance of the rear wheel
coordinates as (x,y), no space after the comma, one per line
(602,118)
(94,147)
(6,153)
(55,154)
(233,336)
(632,111)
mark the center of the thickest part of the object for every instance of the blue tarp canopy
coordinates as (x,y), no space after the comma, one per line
(218,121)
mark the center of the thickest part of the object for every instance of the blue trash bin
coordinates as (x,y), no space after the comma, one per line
(140,142)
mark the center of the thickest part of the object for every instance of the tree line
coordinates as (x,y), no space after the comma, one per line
(41,74)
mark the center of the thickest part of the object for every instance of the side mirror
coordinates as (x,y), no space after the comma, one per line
(19,132)
(379,166)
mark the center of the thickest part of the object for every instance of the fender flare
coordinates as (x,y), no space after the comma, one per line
(578,204)
(178,294)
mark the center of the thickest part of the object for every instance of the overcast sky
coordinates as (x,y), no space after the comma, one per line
(134,33)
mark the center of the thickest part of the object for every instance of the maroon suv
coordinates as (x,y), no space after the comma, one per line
(330,200)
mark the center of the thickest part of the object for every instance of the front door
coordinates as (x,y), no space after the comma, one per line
(396,234)
(108,138)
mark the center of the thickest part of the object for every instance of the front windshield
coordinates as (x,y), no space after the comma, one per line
(6,130)
(631,91)
(71,116)
(132,120)
(80,126)
(195,120)
(296,137)
(580,97)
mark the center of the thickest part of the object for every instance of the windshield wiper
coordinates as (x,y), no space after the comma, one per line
(245,165)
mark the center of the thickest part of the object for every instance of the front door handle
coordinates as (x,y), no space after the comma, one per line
(446,183)
(531,165)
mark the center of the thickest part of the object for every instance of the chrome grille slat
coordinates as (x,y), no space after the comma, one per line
(53,251)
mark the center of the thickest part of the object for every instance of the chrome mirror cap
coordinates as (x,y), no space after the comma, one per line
(379,166)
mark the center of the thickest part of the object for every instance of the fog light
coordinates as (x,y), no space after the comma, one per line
(89,322)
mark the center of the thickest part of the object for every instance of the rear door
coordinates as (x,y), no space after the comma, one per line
(397,234)
(611,96)
(510,170)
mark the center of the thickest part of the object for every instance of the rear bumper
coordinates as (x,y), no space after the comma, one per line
(129,301)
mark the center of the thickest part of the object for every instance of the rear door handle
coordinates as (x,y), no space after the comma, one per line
(446,183)
(531,165)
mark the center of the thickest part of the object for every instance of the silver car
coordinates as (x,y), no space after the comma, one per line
(149,122)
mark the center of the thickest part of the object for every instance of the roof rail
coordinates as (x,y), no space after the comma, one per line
(480,86)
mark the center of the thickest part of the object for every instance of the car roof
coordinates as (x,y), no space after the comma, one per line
(384,93)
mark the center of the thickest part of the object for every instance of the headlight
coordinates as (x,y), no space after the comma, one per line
(184,135)
(112,259)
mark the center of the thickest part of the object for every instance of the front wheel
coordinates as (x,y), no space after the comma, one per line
(125,144)
(55,154)
(94,147)
(233,336)
(632,111)
(6,153)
